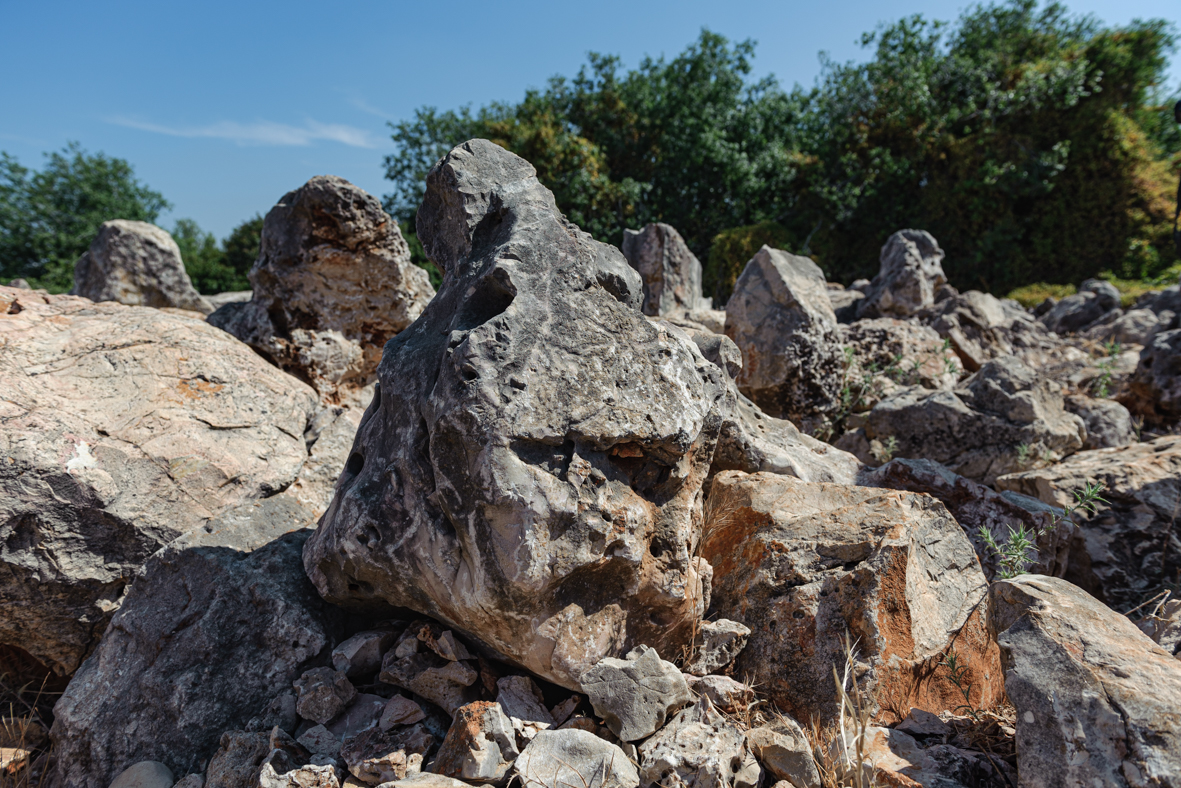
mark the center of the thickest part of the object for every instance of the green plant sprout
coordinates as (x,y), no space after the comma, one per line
(1013,555)
(956,670)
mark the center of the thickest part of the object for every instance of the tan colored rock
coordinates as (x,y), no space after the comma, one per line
(785,752)
(400,711)
(137,264)
(1122,554)
(802,564)
(323,693)
(332,284)
(480,746)
(124,428)
(1096,699)
(910,274)
(894,758)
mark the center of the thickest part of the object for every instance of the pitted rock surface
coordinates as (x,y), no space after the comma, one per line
(1154,390)
(802,564)
(780,317)
(137,264)
(124,428)
(981,327)
(332,284)
(671,273)
(911,272)
(530,469)
(634,696)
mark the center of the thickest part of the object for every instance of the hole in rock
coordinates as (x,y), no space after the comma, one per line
(355,464)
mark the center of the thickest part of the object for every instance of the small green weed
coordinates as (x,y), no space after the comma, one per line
(1013,557)
(956,670)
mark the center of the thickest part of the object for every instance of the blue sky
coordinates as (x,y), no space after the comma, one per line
(223,106)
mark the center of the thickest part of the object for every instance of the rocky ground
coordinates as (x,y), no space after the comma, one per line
(565,524)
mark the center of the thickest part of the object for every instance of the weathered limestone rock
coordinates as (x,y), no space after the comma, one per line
(237,762)
(976,430)
(186,658)
(330,439)
(781,319)
(802,564)
(445,683)
(699,748)
(724,692)
(378,756)
(530,472)
(634,696)
(323,693)
(1108,423)
(1076,312)
(400,711)
(308,776)
(981,327)
(716,645)
(894,758)
(1122,554)
(554,759)
(1164,627)
(361,654)
(1154,390)
(671,273)
(124,428)
(906,352)
(145,774)
(1096,699)
(332,284)
(784,751)
(137,264)
(480,746)
(523,703)
(752,441)
(975,506)
(911,271)
(1134,327)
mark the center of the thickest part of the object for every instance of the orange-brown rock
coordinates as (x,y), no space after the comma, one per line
(806,566)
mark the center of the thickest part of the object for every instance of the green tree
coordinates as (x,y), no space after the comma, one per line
(214,268)
(48,218)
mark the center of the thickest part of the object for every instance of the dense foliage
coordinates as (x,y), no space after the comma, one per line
(214,268)
(48,218)
(1034,145)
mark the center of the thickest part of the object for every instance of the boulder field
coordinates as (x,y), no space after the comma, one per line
(565,522)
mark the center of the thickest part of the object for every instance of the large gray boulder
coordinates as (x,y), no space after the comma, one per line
(332,284)
(137,264)
(780,317)
(530,470)
(217,624)
(124,428)
(978,429)
(1096,699)
(670,272)
(1154,390)
(911,273)
(1132,545)
(803,564)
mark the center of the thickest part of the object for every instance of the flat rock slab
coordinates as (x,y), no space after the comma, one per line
(557,759)
(634,696)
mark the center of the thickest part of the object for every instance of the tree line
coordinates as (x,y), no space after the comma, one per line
(1035,145)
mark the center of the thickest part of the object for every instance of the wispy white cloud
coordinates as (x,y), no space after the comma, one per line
(368,108)
(261,132)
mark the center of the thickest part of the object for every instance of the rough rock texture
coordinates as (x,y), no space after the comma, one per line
(1096,699)
(894,758)
(716,645)
(237,761)
(1108,423)
(215,626)
(671,273)
(308,776)
(1075,312)
(530,471)
(333,282)
(361,654)
(522,700)
(802,564)
(975,506)
(443,682)
(558,759)
(780,318)
(752,441)
(330,439)
(634,696)
(784,751)
(699,748)
(907,352)
(124,428)
(724,692)
(480,746)
(1134,327)
(137,264)
(1154,390)
(911,271)
(378,756)
(981,327)
(323,694)
(976,430)
(1123,554)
